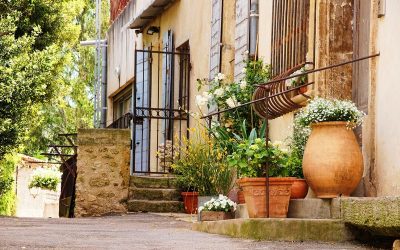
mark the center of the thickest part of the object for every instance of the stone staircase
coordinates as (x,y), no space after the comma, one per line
(154,194)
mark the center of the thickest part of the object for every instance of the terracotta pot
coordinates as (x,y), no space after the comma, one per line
(255,195)
(190,201)
(299,189)
(332,163)
(240,195)
(302,90)
(216,215)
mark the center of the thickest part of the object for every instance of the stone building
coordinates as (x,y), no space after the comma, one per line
(157,49)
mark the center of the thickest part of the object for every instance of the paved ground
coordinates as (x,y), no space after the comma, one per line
(133,231)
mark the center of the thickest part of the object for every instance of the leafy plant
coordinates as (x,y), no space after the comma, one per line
(200,165)
(324,110)
(252,153)
(45,178)
(222,203)
(224,94)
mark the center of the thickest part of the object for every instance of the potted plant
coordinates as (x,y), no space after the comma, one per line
(298,81)
(45,178)
(299,188)
(220,208)
(250,157)
(201,170)
(332,162)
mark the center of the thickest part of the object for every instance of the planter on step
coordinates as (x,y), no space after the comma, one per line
(216,215)
(299,189)
(241,199)
(255,195)
(190,202)
(332,163)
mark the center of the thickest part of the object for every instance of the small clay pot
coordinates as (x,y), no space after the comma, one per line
(302,90)
(299,189)
(240,196)
(190,201)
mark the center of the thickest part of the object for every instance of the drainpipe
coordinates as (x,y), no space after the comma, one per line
(103,117)
(221,46)
(253,28)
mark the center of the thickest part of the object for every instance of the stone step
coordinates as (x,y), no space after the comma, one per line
(153,182)
(282,229)
(314,208)
(169,194)
(155,206)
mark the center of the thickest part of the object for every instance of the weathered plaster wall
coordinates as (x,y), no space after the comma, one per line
(387,102)
(102,172)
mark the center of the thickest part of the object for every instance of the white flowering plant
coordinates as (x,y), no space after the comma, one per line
(45,178)
(222,203)
(224,94)
(324,110)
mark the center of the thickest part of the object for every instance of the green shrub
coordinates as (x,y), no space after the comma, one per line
(7,184)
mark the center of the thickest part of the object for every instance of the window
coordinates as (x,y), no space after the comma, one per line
(184,75)
(289,35)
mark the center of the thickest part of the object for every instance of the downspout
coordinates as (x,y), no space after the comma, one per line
(103,118)
(221,46)
(254,16)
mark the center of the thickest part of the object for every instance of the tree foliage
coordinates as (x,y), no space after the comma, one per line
(46,78)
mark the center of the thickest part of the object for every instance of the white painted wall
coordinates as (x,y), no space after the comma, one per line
(388,102)
(35,202)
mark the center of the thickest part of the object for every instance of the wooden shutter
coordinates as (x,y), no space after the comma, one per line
(167,83)
(215,48)
(142,131)
(241,35)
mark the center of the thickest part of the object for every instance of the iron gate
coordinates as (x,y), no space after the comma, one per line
(159,117)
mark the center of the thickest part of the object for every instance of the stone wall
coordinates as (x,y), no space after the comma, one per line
(102,171)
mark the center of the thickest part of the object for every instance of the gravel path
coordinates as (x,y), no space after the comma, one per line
(133,231)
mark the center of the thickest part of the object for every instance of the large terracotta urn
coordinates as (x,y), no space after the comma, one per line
(332,162)
(254,190)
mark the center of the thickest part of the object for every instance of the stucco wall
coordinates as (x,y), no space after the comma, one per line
(34,202)
(102,172)
(387,102)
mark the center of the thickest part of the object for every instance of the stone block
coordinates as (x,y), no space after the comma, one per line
(314,208)
(378,215)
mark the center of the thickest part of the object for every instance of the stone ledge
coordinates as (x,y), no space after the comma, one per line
(104,137)
(379,216)
(327,230)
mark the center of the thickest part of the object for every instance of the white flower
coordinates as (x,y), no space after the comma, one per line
(207,95)
(201,100)
(243,84)
(244,70)
(201,208)
(232,102)
(219,92)
(221,76)
(221,196)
